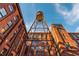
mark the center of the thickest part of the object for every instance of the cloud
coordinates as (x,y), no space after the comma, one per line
(71,17)
(77,29)
(28,25)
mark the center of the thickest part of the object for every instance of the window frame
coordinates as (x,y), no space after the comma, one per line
(11,7)
(3,12)
(10,23)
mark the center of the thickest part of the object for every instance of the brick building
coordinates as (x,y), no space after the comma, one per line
(13,34)
(75,37)
(65,42)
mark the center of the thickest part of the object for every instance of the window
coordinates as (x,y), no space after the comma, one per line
(2,12)
(30,36)
(67,44)
(75,42)
(24,37)
(44,36)
(2,30)
(42,53)
(42,48)
(34,43)
(59,30)
(37,48)
(16,43)
(0,16)
(3,52)
(20,27)
(15,18)
(10,54)
(47,47)
(12,38)
(6,27)
(47,53)
(11,7)
(15,32)
(10,23)
(74,36)
(39,36)
(63,36)
(77,35)
(37,52)
(0,41)
(34,36)
(32,48)
(71,36)
(42,43)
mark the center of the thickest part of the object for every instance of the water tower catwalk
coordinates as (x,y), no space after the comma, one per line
(40,42)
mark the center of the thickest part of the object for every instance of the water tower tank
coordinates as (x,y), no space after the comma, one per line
(39,16)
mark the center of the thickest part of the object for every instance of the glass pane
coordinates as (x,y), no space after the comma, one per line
(78,35)
(11,8)
(74,36)
(32,48)
(16,43)
(2,30)
(37,48)
(0,16)
(3,12)
(10,23)
(3,52)
(16,18)
(33,43)
(6,28)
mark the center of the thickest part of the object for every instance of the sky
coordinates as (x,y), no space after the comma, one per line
(66,14)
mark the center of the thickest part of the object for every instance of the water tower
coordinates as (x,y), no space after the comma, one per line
(39,37)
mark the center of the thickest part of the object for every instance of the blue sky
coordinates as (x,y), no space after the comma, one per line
(65,14)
